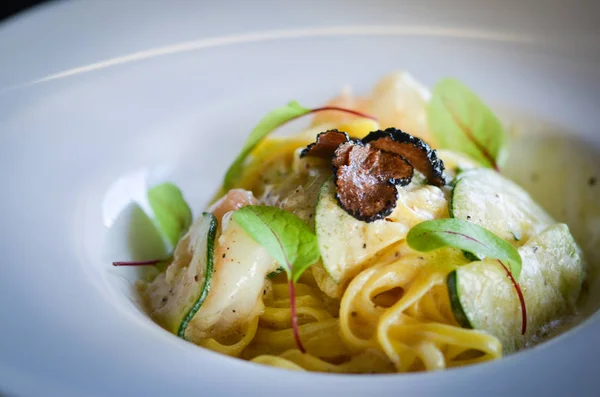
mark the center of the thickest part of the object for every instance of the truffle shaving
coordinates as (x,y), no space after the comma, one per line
(365,178)
(325,144)
(414,150)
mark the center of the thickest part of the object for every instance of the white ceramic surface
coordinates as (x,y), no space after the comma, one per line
(92,93)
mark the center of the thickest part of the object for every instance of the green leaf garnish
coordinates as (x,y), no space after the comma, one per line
(172,214)
(460,121)
(287,239)
(268,124)
(466,236)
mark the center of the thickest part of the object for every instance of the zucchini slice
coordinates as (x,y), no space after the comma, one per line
(178,293)
(345,242)
(488,199)
(483,297)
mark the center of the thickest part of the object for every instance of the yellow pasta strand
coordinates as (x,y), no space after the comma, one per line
(235,349)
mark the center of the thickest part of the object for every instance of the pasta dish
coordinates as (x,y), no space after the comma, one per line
(381,238)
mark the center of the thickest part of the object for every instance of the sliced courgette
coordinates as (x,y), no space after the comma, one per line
(345,242)
(488,199)
(177,294)
(483,297)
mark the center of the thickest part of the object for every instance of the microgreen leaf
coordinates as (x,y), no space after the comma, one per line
(467,236)
(460,121)
(270,122)
(171,213)
(287,239)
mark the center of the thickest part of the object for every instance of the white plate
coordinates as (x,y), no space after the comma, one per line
(93,91)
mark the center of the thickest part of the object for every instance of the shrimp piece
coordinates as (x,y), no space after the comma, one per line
(237,285)
(240,267)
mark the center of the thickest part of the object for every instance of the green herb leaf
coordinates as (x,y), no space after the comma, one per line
(467,236)
(268,124)
(460,121)
(285,236)
(172,214)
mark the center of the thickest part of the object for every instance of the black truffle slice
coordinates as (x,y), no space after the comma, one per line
(417,152)
(325,144)
(365,178)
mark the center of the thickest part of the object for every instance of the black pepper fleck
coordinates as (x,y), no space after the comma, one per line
(364,246)
(468,217)
(535,249)
(196,278)
(354,314)
(592,181)
(223,256)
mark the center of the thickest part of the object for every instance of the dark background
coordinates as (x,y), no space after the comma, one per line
(10,8)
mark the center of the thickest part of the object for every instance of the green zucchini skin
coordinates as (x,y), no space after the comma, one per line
(457,309)
(275,273)
(205,289)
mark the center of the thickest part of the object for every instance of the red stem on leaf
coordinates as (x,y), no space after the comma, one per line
(521,299)
(138,263)
(465,236)
(344,110)
(333,108)
(471,137)
(294,315)
(292,293)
